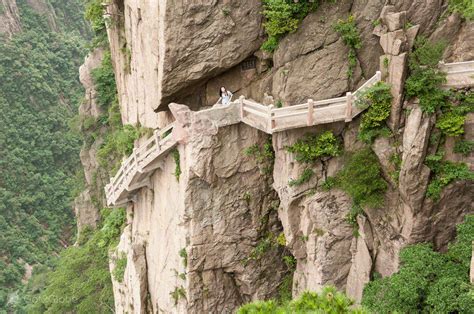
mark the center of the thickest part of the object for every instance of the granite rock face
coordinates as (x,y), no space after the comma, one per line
(87,203)
(9,18)
(200,235)
(223,208)
(163,50)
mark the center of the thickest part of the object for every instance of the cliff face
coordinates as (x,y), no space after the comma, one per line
(86,205)
(212,217)
(191,245)
(9,18)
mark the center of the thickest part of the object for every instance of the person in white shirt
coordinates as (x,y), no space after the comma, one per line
(225,96)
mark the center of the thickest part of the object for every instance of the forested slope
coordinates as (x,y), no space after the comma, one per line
(39,96)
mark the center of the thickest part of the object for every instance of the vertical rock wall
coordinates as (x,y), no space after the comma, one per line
(195,236)
(9,18)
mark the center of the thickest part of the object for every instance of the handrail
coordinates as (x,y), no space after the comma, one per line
(265,118)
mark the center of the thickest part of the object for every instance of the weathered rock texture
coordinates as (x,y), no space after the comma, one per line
(9,18)
(195,236)
(86,205)
(214,214)
(163,50)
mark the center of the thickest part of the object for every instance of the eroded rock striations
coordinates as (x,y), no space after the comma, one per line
(190,244)
(86,204)
(196,237)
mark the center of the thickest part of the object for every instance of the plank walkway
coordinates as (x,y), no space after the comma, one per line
(136,170)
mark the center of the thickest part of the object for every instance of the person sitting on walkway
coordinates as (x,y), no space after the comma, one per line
(225,96)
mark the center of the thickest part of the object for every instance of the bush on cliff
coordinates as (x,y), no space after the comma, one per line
(283,17)
(428,281)
(328,301)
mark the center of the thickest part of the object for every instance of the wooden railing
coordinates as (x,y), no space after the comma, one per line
(137,168)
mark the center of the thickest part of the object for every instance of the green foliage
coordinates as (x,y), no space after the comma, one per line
(119,270)
(328,301)
(427,282)
(177,294)
(263,246)
(351,218)
(313,147)
(362,179)
(377,99)
(453,114)
(94,13)
(104,82)
(265,156)
(177,169)
(464,7)
(282,17)
(184,255)
(91,292)
(425,78)
(351,38)
(117,144)
(39,94)
(451,123)
(281,240)
(464,147)
(444,172)
(303,178)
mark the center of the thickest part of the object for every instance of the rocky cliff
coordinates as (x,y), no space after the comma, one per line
(190,242)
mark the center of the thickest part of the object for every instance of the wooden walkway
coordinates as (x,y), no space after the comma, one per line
(136,170)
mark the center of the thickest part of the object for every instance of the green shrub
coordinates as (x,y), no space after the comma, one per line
(91,292)
(94,13)
(351,218)
(362,179)
(184,255)
(282,17)
(303,178)
(464,7)
(329,300)
(117,144)
(444,172)
(427,282)
(425,78)
(119,270)
(313,147)
(453,115)
(451,123)
(264,155)
(351,38)
(177,161)
(464,147)
(377,100)
(177,294)
(104,82)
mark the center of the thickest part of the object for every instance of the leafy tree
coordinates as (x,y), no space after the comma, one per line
(425,78)
(283,17)
(428,281)
(377,100)
(328,301)
(39,94)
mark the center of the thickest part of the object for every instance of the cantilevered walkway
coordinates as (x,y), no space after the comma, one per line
(136,170)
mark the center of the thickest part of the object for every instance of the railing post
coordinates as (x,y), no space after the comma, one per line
(271,122)
(241,104)
(309,120)
(349,106)
(378,76)
(156,134)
